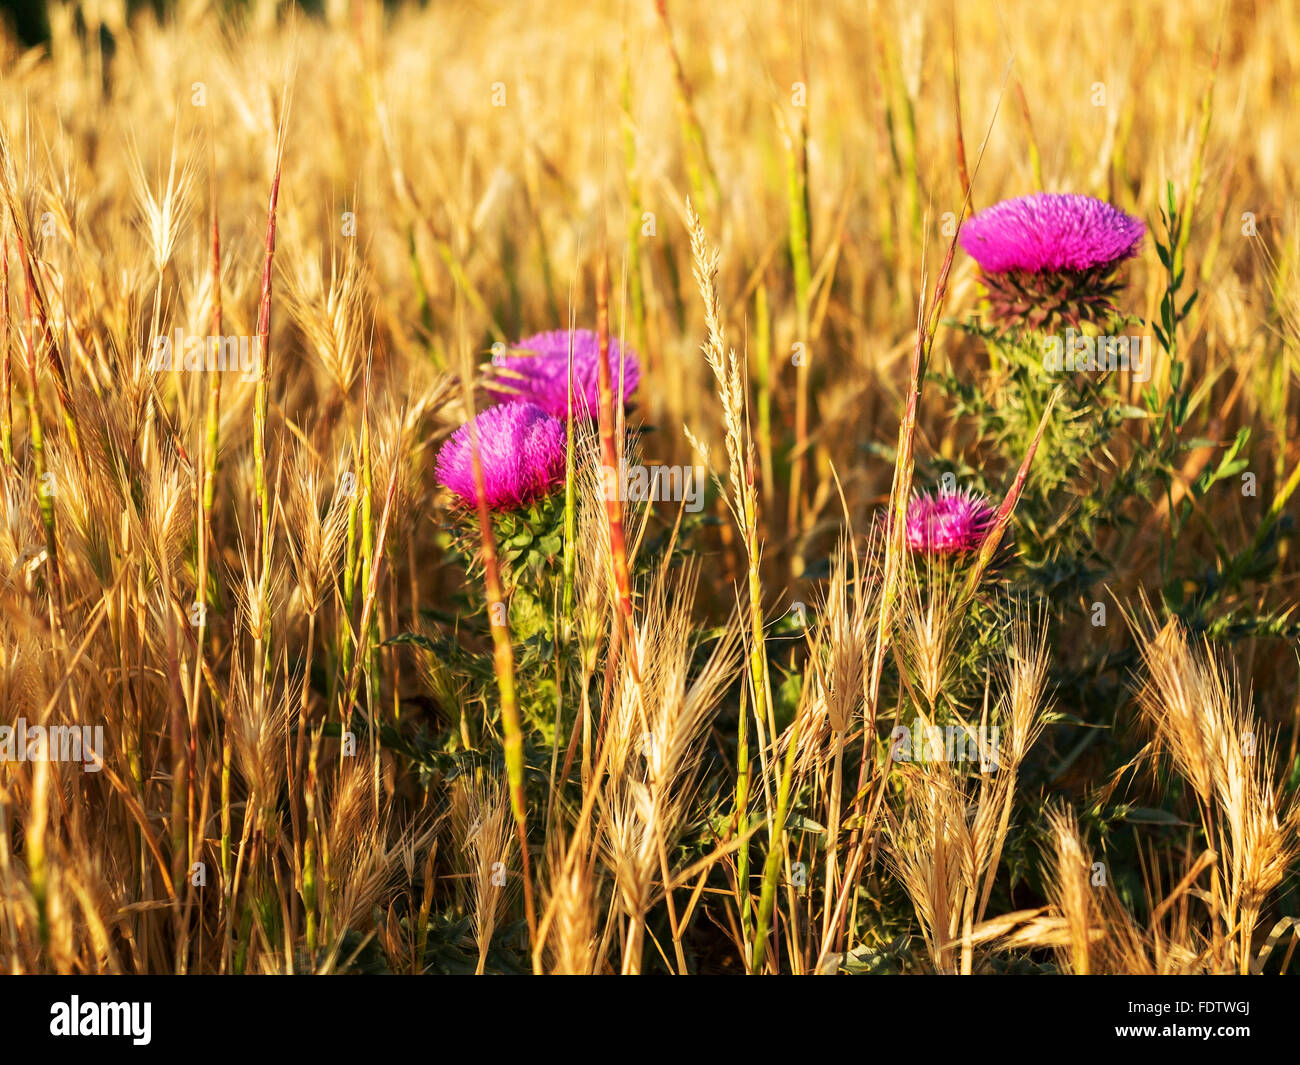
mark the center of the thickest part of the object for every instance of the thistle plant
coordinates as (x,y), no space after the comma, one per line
(1049,263)
(1051,259)
(523,454)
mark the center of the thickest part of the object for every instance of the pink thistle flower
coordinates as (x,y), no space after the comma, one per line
(522,449)
(538,372)
(1051,232)
(1051,256)
(948,523)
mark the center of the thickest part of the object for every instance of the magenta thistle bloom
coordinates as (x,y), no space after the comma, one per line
(1051,256)
(949,522)
(1051,232)
(522,449)
(538,372)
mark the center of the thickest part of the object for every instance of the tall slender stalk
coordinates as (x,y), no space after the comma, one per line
(635,282)
(699,166)
(796,147)
(207,495)
(262,639)
(611,458)
(6,381)
(743,502)
(503,658)
(44,480)
(570,560)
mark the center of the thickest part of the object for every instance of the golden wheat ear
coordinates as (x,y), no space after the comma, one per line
(1202,722)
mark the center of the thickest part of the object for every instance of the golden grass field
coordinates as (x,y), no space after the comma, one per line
(674,754)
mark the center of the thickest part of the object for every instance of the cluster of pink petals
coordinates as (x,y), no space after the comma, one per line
(1051,232)
(948,523)
(522,438)
(522,449)
(539,372)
